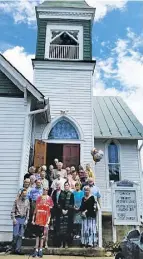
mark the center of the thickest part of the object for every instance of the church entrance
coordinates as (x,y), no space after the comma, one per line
(69,154)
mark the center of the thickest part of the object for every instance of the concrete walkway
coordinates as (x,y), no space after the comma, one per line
(50,257)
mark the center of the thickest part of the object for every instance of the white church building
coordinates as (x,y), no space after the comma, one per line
(58,116)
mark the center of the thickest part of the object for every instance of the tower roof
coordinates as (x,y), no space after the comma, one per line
(66,4)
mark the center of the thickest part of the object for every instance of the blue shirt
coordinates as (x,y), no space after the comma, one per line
(95,191)
(35,193)
(78,198)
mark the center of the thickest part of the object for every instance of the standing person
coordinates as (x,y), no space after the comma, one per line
(81,174)
(90,172)
(44,181)
(41,220)
(26,186)
(88,210)
(50,174)
(60,171)
(74,179)
(78,195)
(32,170)
(85,180)
(56,214)
(59,180)
(32,182)
(56,161)
(37,172)
(69,175)
(94,190)
(20,216)
(34,194)
(66,204)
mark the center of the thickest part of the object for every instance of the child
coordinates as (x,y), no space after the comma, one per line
(41,220)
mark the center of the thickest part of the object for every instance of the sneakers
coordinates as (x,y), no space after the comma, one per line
(35,254)
(38,254)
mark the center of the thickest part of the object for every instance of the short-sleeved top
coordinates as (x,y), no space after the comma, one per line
(35,193)
(43,207)
(78,198)
(95,191)
(61,182)
(89,205)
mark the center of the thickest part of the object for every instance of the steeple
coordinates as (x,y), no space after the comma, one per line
(66,4)
(64,30)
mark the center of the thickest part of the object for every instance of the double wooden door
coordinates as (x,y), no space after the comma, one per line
(70,154)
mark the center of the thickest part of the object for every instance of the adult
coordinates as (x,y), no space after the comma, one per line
(41,221)
(60,171)
(59,180)
(32,182)
(56,161)
(26,186)
(81,173)
(56,214)
(90,172)
(66,204)
(85,180)
(74,179)
(34,194)
(32,170)
(69,175)
(44,181)
(50,174)
(20,216)
(37,172)
(88,209)
(94,190)
(78,195)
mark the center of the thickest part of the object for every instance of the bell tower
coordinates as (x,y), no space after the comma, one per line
(63,67)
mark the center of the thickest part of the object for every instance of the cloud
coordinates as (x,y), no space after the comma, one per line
(21,60)
(124,69)
(23,11)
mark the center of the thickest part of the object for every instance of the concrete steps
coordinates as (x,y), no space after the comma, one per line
(85,252)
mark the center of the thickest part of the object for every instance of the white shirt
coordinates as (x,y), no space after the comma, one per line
(60,181)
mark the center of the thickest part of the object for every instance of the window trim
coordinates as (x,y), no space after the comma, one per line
(107,160)
(64,28)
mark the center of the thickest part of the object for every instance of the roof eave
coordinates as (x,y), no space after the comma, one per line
(118,137)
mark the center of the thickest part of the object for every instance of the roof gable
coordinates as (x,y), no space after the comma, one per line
(18,79)
(8,88)
(114,119)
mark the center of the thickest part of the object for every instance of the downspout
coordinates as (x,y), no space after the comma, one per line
(39,111)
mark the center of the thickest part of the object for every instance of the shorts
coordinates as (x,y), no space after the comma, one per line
(39,231)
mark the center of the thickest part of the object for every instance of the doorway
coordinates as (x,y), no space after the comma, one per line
(69,154)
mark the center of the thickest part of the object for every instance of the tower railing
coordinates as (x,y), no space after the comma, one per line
(64,52)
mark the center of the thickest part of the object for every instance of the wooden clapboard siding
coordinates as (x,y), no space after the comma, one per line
(87,36)
(7,87)
(12,121)
(71,91)
(130,169)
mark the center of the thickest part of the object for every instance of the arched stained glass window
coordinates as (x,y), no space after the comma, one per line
(113,162)
(63,129)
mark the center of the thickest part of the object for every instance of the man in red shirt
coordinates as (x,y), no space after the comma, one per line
(41,220)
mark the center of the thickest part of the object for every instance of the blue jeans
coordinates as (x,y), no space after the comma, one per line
(18,232)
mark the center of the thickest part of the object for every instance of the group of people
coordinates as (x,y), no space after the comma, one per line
(65,199)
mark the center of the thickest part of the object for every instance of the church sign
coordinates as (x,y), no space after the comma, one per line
(125,204)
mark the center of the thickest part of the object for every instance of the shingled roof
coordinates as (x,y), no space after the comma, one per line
(65,3)
(114,119)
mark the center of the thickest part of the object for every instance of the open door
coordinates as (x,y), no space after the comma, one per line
(40,153)
(71,155)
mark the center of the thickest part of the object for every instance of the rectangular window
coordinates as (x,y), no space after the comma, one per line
(113,162)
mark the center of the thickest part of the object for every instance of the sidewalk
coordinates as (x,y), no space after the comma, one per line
(50,257)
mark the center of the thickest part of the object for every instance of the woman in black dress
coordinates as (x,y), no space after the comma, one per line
(88,211)
(66,204)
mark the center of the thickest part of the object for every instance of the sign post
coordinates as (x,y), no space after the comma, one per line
(125,205)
